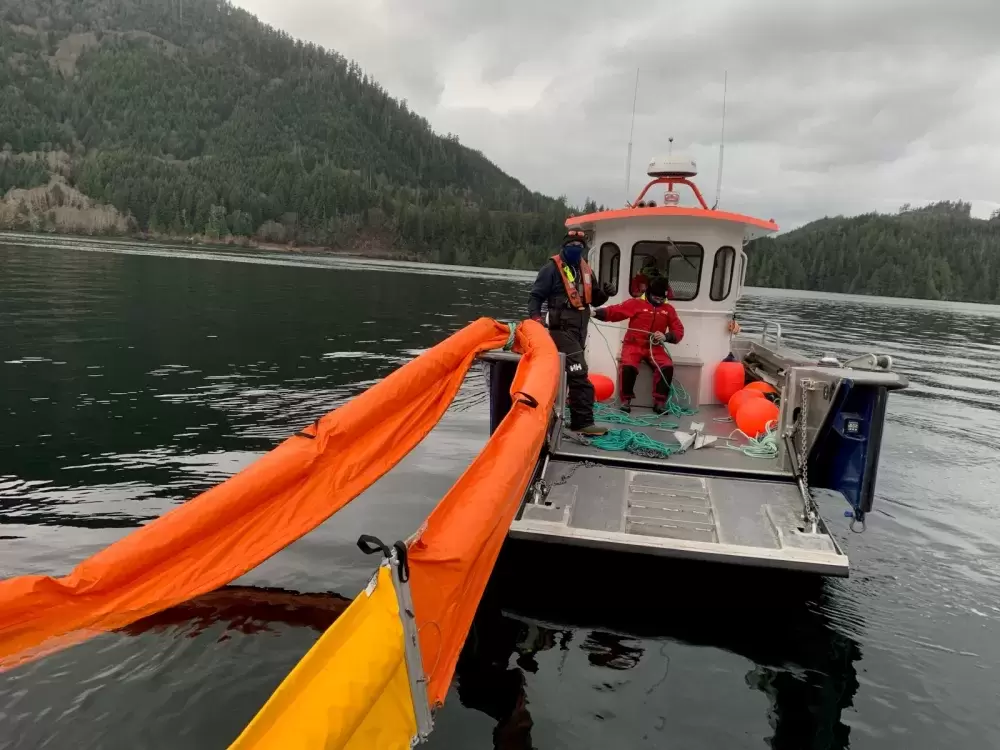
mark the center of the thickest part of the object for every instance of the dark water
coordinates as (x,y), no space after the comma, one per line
(129,383)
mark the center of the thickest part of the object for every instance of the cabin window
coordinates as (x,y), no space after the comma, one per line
(679,262)
(609,264)
(743,274)
(722,273)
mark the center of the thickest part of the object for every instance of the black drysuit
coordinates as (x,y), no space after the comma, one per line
(568,328)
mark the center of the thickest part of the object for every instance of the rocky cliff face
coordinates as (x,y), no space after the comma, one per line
(58,207)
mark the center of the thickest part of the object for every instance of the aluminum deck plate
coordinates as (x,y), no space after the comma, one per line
(737,520)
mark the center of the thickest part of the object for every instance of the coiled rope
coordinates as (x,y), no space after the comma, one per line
(631,441)
(765,446)
(636,443)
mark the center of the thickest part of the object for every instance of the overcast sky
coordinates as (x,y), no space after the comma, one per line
(835,106)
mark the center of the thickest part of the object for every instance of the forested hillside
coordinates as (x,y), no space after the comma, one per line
(935,252)
(191,118)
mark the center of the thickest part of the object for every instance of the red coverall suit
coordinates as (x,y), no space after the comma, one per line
(645,320)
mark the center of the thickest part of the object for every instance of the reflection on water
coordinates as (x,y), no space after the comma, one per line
(130,383)
(246,609)
(650,639)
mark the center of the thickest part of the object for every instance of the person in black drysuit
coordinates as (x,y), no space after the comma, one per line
(562,285)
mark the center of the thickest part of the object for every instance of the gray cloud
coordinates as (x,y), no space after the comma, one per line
(835,106)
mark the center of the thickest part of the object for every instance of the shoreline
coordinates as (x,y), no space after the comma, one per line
(389,260)
(258,253)
(15,237)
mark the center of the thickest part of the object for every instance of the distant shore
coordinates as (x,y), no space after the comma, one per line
(13,237)
(259,253)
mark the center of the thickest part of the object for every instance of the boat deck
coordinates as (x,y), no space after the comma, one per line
(755,522)
(715,459)
(707,504)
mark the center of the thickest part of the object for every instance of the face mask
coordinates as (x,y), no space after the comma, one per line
(573,253)
(656,301)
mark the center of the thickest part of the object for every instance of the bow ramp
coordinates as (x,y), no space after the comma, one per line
(649,490)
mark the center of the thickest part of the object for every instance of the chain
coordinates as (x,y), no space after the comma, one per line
(541,488)
(566,477)
(807,385)
(809,504)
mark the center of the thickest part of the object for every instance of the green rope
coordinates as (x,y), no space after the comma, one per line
(512,327)
(610,415)
(676,400)
(633,442)
(765,446)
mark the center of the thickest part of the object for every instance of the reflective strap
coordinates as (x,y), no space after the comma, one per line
(569,274)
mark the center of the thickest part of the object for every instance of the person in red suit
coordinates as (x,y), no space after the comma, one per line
(652,321)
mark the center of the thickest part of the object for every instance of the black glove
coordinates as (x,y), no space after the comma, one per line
(600,314)
(608,289)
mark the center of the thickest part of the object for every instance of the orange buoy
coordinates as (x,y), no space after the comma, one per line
(729,378)
(754,415)
(604,387)
(739,397)
(760,385)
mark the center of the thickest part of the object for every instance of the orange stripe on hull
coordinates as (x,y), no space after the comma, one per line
(697,213)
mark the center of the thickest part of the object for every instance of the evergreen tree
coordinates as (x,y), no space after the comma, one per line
(208,122)
(935,252)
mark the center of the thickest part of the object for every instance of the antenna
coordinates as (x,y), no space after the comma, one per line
(628,160)
(722,140)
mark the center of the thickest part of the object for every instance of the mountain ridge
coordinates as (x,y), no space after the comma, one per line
(933,252)
(195,119)
(192,120)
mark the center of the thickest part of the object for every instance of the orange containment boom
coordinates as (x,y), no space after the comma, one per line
(233,527)
(372,678)
(454,554)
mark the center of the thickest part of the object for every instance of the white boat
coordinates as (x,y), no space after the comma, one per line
(716,503)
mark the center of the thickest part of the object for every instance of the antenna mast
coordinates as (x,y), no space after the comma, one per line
(628,160)
(722,141)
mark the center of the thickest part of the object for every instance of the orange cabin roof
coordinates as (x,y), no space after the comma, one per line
(700,213)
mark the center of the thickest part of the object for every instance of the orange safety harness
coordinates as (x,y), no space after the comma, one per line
(569,283)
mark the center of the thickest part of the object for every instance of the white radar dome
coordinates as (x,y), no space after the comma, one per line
(672,166)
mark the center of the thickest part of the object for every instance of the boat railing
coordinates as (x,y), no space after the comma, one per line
(777,332)
(496,355)
(670,181)
(870,362)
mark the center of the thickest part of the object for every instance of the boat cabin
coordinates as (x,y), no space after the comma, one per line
(697,249)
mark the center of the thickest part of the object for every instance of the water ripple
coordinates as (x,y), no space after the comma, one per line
(129,383)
